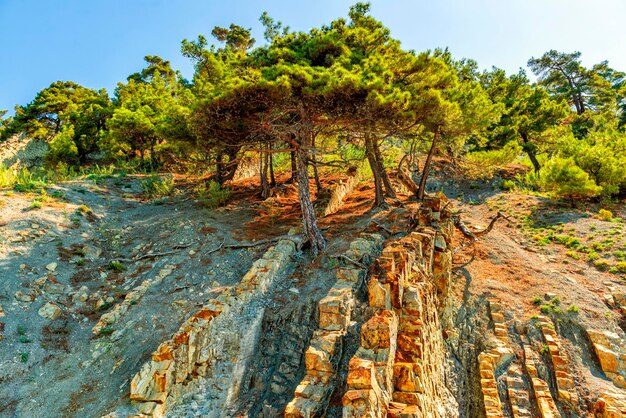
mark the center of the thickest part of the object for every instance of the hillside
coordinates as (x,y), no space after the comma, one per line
(552,312)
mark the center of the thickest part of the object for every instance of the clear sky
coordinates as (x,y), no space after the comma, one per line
(100,42)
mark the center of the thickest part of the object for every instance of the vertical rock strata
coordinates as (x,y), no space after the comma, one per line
(208,340)
(399,368)
(324,352)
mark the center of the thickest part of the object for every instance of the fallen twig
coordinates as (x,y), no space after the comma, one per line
(383,227)
(152,255)
(348,259)
(295,239)
(218,248)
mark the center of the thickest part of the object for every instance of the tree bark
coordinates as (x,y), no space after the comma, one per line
(309,220)
(389,192)
(530,150)
(379,197)
(422,187)
(219,169)
(316,174)
(265,186)
(272,177)
(294,168)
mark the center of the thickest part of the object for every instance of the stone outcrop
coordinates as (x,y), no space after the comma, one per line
(340,190)
(543,396)
(489,362)
(399,368)
(566,389)
(611,352)
(209,349)
(107,320)
(20,151)
(335,310)
(611,404)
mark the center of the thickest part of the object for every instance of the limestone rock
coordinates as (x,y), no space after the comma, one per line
(24,297)
(50,311)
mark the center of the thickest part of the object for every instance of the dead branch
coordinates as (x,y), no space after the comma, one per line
(491,224)
(295,239)
(349,260)
(473,236)
(152,255)
(383,227)
(218,248)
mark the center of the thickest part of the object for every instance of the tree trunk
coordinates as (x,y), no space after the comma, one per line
(379,197)
(422,187)
(389,192)
(316,174)
(309,220)
(219,169)
(530,150)
(272,177)
(265,186)
(294,168)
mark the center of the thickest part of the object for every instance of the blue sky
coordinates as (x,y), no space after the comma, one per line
(99,42)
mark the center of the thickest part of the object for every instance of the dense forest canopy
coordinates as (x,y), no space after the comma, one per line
(337,95)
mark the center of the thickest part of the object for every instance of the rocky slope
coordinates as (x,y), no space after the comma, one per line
(116,305)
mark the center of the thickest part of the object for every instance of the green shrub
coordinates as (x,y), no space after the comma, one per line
(63,148)
(569,242)
(546,309)
(214,196)
(564,179)
(26,181)
(592,256)
(507,184)
(604,215)
(601,265)
(620,267)
(573,309)
(597,246)
(116,266)
(157,186)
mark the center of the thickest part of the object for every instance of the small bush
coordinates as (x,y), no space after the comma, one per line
(537,300)
(108,330)
(597,246)
(546,309)
(620,267)
(601,265)
(157,186)
(573,309)
(573,255)
(38,202)
(563,178)
(507,185)
(604,215)
(24,357)
(214,196)
(592,256)
(83,209)
(116,266)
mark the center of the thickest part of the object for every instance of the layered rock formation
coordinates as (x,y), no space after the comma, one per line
(323,354)
(211,347)
(399,369)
